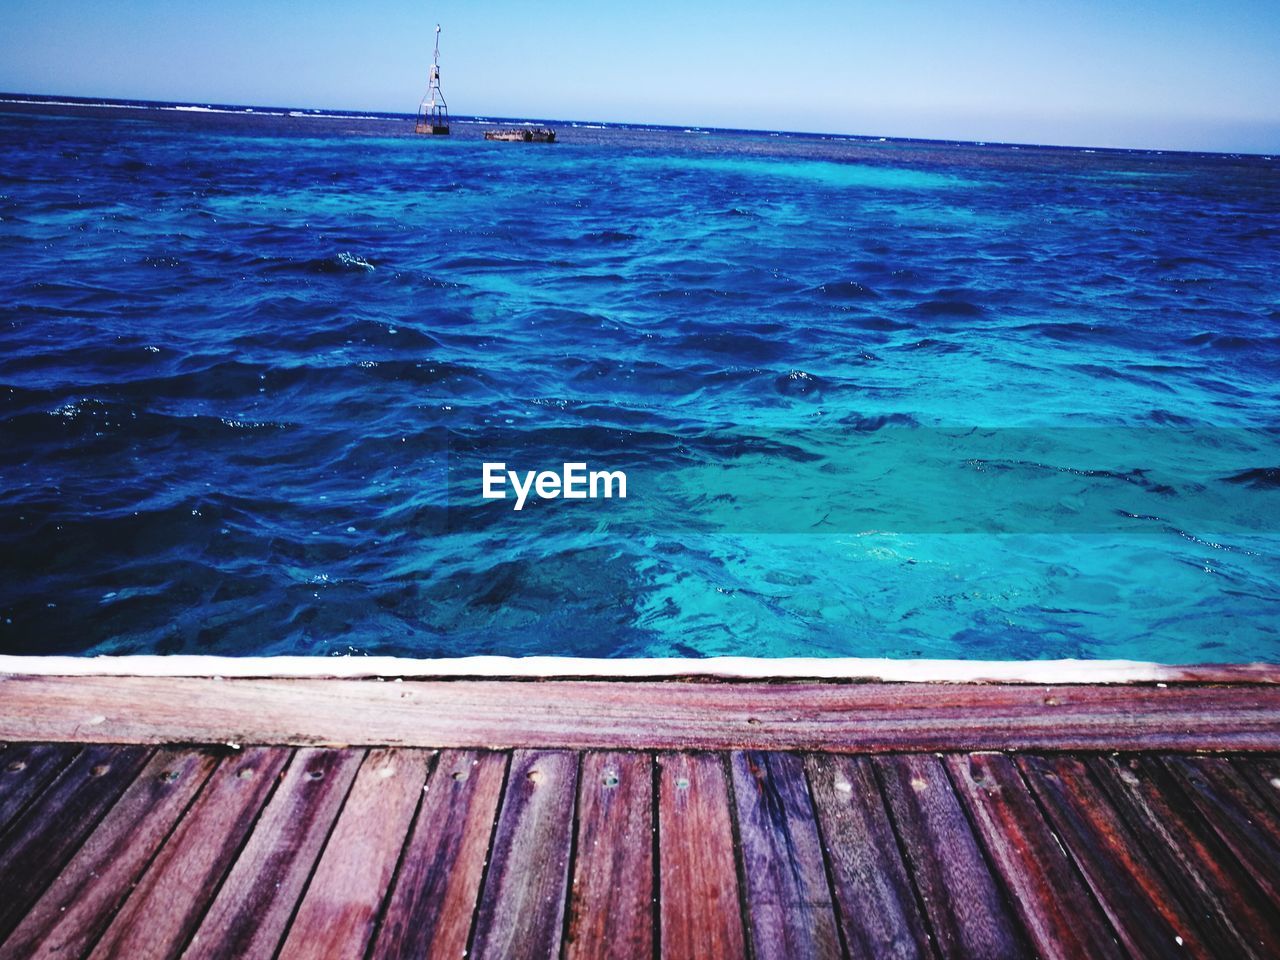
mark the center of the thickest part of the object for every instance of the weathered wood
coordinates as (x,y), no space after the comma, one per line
(1244,822)
(1147,845)
(438,884)
(966,909)
(81,901)
(612,894)
(1048,896)
(521,913)
(877,904)
(833,717)
(1095,855)
(700,908)
(1263,774)
(44,838)
(789,908)
(337,916)
(1142,908)
(1191,857)
(25,771)
(251,912)
(162,911)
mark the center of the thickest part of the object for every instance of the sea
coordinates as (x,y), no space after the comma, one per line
(872,397)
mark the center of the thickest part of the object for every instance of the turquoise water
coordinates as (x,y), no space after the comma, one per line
(250,367)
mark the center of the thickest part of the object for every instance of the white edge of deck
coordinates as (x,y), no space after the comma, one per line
(740,668)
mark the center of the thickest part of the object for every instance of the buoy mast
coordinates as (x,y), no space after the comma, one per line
(433,112)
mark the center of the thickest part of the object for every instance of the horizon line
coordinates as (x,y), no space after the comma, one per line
(70,99)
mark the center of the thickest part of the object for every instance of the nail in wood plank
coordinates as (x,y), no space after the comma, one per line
(84,897)
(789,908)
(45,837)
(700,912)
(1048,896)
(877,904)
(1190,855)
(436,889)
(1246,824)
(26,769)
(522,905)
(251,912)
(966,909)
(1143,910)
(611,898)
(340,906)
(162,911)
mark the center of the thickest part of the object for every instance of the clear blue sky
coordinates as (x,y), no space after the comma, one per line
(1189,74)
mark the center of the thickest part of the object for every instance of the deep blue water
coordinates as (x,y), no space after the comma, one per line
(248,365)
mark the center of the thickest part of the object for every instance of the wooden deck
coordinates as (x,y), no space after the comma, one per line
(558,819)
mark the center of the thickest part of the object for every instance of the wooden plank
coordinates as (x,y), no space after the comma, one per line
(872,717)
(521,911)
(878,911)
(26,769)
(251,912)
(84,897)
(700,911)
(966,909)
(1263,774)
(339,910)
(612,895)
(1244,822)
(44,838)
(438,884)
(789,908)
(164,908)
(1048,896)
(1190,856)
(1141,906)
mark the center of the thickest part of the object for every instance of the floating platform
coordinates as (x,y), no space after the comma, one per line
(522,135)
(155,816)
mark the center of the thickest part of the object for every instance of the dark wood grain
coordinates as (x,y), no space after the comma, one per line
(1142,907)
(612,894)
(521,913)
(1263,774)
(81,901)
(967,912)
(337,915)
(45,837)
(877,904)
(438,884)
(26,769)
(1192,858)
(700,907)
(164,908)
(832,717)
(249,916)
(1245,823)
(789,908)
(1048,896)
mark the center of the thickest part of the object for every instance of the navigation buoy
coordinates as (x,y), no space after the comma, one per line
(433,112)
